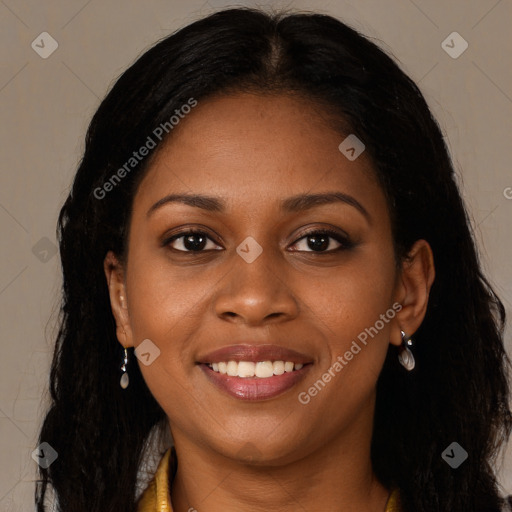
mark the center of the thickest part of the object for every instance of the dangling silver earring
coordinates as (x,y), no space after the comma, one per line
(125,380)
(405,355)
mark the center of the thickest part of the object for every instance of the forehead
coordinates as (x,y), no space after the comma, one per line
(253,148)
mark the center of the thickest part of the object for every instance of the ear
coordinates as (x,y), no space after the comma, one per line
(413,289)
(115,273)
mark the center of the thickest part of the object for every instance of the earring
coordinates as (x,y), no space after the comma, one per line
(405,355)
(125,380)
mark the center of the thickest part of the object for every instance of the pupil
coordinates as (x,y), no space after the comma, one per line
(318,242)
(192,245)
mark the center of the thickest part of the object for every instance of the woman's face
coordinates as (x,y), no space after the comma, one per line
(262,272)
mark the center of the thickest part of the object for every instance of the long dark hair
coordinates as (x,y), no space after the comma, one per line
(460,390)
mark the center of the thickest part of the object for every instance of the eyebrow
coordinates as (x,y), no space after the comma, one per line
(294,204)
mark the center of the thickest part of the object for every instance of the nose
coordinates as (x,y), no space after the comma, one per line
(256,293)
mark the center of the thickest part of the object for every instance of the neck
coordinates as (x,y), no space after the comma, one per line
(336,476)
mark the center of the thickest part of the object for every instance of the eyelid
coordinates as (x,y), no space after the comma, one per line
(188,231)
(341,238)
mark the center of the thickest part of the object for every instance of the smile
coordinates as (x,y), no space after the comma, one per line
(247,380)
(260,369)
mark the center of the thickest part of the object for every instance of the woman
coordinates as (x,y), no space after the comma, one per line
(265,254)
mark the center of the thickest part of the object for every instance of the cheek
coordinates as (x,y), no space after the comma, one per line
(353,310)
(164,307)
(347,311)
(353,296)
(162,299)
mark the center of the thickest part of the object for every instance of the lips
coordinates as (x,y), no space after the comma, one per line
(255,388)
(254,353)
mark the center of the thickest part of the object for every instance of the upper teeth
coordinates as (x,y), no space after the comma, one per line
(262,369)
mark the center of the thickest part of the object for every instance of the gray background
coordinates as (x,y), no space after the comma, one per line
(46,105)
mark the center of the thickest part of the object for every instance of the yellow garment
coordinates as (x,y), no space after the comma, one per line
(156,497)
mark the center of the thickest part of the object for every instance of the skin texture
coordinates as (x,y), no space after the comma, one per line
(253,151)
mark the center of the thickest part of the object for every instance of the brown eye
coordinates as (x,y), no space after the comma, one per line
(190,241)
(321,240)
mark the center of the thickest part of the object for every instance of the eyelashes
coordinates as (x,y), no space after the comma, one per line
(322,235)
(193,236)
(193,241)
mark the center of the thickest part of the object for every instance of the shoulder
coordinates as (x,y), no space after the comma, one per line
(393,504)
(156,496)
(147,502)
